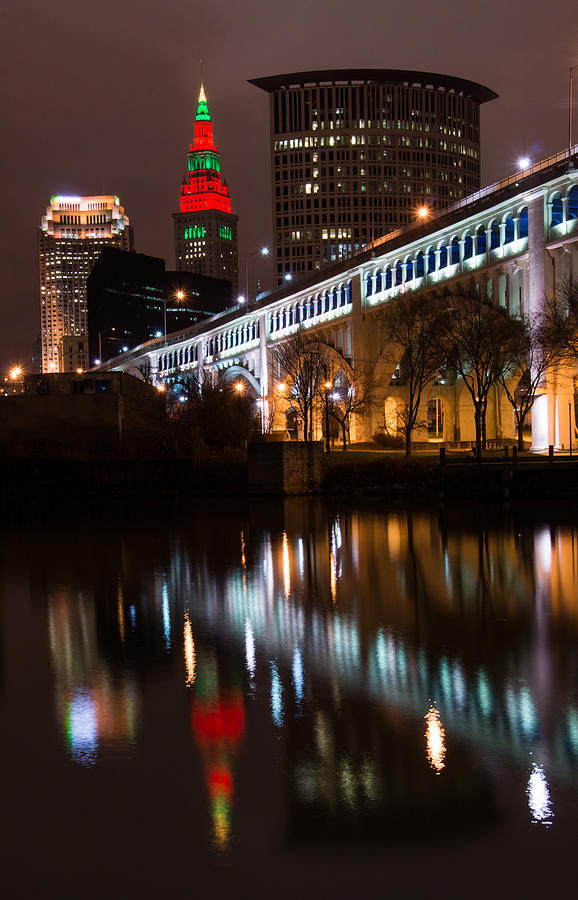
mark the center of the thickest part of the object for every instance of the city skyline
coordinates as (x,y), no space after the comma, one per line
(151,123)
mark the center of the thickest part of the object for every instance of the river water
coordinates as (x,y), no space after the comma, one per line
(288,698)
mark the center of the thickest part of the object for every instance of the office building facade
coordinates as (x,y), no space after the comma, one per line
(70,238)
(131,297)
(356,153)
(205,226)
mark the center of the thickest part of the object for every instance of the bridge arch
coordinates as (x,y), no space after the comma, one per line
(572,209)
(481,240)
(495,236)
(231,373)
(557,209)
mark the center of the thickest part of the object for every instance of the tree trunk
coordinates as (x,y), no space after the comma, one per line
(344,435)
(520,422)
(408,431)
(484,408)
(478,421)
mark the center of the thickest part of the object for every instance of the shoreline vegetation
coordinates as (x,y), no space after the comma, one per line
(363,471)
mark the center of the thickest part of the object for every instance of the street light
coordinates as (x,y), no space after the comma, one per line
(288,276)
(573,70)
(423,212)
(328,386)
(263,251)
(524,162)
(15,372)
(178,295)
(100,334)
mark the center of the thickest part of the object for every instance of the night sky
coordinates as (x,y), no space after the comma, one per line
(100,98)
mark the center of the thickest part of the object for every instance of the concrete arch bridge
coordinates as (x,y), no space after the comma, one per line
(517,240)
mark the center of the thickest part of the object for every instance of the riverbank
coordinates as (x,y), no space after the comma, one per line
(361,472)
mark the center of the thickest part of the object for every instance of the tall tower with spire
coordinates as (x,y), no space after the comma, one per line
(205,227)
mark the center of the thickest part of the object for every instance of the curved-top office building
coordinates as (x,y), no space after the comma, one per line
(356,152)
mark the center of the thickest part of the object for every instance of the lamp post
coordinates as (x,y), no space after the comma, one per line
(178,295)
(263,251)
(573,70)
(328,386)
(100,334)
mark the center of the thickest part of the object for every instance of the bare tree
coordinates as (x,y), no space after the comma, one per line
(303,360)
(481,342)
(536,350)
(562,319)
(415,323)
(345,399)
(203,413)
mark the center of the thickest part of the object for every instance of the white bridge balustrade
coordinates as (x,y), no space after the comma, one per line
(517,241)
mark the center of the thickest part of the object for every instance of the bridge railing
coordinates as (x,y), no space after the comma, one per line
(478,195)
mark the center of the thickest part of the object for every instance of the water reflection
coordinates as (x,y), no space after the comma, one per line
(435,740)
(218,719)
(96,711)
(539,797)
(338,627)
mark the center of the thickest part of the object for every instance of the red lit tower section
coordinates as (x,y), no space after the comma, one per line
(205,227)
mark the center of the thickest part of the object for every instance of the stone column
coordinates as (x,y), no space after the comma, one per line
(364,350)
(536,255)
(263,370)
(543,412)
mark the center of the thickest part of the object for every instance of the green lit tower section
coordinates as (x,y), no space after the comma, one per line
(205,227)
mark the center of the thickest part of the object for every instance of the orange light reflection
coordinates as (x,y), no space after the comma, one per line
(435,740)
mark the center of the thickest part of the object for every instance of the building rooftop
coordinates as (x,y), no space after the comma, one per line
(405,77)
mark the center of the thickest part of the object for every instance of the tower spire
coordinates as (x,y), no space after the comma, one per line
(205,227)
(203,109)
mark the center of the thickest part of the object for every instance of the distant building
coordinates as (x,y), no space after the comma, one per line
(356,152)
(126,294)
(73,353)
(205,226)
(71,236)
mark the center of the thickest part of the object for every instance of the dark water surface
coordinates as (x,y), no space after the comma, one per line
(288,699)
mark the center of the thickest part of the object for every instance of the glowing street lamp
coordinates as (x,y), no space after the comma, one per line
(15,372)
(288,276)
(239,387)
(524,162)
(328,386)
(178,295)
(423,213)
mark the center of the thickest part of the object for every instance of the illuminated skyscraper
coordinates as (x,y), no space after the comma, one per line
(71,236)
(356,152)
(205,227)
